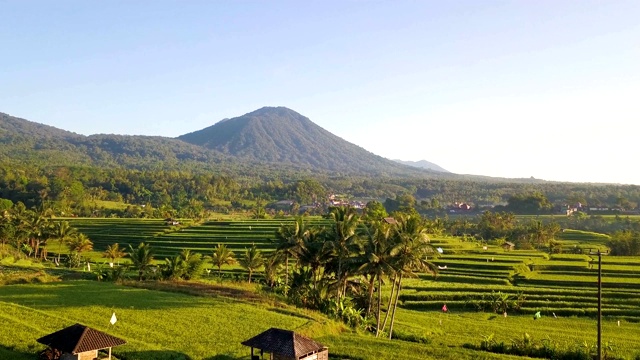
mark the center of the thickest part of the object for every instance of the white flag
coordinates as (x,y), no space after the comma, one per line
(113,319)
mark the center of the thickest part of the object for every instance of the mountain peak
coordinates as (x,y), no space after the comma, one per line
(281,135)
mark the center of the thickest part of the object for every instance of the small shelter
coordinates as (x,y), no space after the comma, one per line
(390,220)
(282,344)
(508,246)
(79,342)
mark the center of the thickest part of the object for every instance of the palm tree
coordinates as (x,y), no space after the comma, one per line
(113,252)
(79,244)
(410,253)
(343,239)
(288,241)
(193,264)
(376,261)
(62,232)
(222,256)
(142,258)
(7,231)
(37,228)
(272,268)
(251,260)
(314,252)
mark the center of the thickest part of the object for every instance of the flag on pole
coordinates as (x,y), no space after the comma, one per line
(113,319)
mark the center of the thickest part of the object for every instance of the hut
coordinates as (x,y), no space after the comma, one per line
(508,246)
(282,344)
(79,342)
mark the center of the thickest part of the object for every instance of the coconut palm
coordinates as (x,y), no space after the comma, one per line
(37,227)
(251,260)
(79,244)
(113,252)
(288,240)
(344,241)
(376,261)
(62,232)
(142,258)
(272,268)
(193,264)
(314,253)
(410,252)
(222,256)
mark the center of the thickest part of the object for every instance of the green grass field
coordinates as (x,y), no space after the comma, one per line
(561,286)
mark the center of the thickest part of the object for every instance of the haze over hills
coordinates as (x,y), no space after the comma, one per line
(423,164)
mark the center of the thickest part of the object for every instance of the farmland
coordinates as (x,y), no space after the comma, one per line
(562,287)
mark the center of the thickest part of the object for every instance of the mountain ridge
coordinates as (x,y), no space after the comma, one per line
(423,164)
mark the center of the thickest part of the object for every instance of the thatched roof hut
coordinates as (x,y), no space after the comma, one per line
(79,342)
(286,345)
(507,246)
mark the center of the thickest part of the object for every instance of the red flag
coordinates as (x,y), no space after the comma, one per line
(444,308)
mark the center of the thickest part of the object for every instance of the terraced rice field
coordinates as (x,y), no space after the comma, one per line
(564,284)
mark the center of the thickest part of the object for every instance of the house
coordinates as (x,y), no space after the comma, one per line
(79,342)
(281,344)
(508,246)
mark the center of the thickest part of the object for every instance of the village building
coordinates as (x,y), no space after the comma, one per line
(79,342)
(279,344)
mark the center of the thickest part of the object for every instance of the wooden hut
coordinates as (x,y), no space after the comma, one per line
(508,246)
(79,342)
(281,344)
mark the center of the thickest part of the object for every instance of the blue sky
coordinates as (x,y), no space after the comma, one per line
(500,88)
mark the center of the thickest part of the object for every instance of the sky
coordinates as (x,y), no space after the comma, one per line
(547,88)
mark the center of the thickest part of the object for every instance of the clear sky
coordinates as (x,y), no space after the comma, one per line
(544,88)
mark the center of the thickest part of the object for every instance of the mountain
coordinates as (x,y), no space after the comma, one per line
(280,135)
(423,164)
(265,141)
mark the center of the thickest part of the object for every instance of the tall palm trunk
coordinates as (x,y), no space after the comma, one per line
(286,275)
(393,288)
(379,306)
(371,282)
(395,305)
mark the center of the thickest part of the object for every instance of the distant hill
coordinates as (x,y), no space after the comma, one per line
(280,135)
(423,164)
(29,142)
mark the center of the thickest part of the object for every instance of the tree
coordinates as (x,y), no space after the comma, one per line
(251,260)
(410,253)
(193,264)
(113,252)
(289,239)
(343,240)
(374,210)
(62,232)
(376,261)
(222,256)
(272,268)
(142,258)
(79,243)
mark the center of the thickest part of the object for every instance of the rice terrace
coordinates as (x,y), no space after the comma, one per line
(491,295)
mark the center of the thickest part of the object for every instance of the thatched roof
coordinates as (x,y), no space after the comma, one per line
(509,244)
(390,220)
(79,338)
(284,343)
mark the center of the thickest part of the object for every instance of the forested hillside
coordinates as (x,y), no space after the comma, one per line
(42,165)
